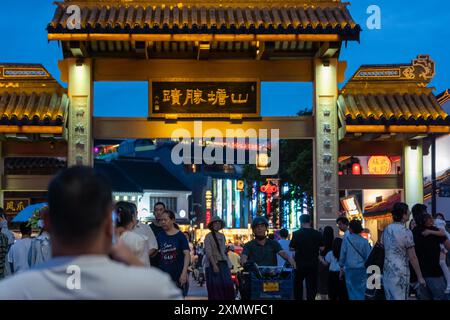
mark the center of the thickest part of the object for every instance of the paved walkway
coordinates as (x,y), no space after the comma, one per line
(196,292)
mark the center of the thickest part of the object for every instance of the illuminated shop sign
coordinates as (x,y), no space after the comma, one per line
(351,206)
(379,165)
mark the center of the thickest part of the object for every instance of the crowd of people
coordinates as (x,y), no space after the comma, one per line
(122,258)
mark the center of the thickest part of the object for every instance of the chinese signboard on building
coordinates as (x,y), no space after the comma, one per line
(379,165)
(351,207)
(14,206)
(204,99)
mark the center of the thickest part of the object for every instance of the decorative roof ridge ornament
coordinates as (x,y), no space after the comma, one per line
(443,97)
(28,77)
(420,70)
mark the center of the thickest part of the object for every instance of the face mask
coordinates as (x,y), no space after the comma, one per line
(40,224)
(260,237)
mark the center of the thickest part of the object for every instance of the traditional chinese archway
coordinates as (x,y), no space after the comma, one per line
(214,41)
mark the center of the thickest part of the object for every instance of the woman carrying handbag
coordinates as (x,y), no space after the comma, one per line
(398,244)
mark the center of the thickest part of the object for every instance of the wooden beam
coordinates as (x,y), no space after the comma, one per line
(33,149)
(370,148)
(191,37)
(31,129)
(396,129)
(142,70)
(371,182)
(141,128)
(26,182)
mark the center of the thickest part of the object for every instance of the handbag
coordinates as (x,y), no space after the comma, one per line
(376,257)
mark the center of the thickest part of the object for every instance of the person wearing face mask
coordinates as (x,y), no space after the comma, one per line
(40,250)
(262,250)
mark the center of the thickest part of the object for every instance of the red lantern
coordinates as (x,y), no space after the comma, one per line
(356,169)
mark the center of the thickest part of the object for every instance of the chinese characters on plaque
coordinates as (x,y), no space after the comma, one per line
(327,144)
(190,99)
(79,135)
(14,206)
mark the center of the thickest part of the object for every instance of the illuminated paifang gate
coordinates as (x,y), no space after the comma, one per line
(388,110)
(213,41)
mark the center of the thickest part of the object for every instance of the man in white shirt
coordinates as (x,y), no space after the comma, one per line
(145,231)
(18,253)
(81,229)
(284,243)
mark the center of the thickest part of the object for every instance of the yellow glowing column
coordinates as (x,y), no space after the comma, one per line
(326,197)
(2,174)
(413,173)
(80,118)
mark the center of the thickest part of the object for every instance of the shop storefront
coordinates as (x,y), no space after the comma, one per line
(386,114)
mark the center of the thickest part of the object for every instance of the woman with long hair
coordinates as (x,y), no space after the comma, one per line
(337,290)
(174,251)
(399,251)
(217,264)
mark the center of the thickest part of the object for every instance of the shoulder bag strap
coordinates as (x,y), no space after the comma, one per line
(359,253)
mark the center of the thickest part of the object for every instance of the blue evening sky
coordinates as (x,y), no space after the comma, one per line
(408,28)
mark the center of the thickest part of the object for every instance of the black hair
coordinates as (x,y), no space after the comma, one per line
(305,218)
(80,201)
(417,210)
(344,220)
(356,226)
(170,214)
(328,237)
(439,215)
(337,244)
(284,233)
(160,204)
(125,213)
(399,210)
(134,207)
(25,228)
(423,218)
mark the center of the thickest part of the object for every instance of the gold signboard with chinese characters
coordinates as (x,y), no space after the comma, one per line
(14,206)
(204,99)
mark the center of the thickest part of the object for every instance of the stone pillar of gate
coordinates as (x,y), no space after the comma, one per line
(2,175)
(413,172)
(80,142)
(326,193)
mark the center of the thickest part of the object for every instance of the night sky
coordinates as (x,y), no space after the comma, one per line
(408,28)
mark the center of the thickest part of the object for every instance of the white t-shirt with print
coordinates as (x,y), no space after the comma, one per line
(89,277)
